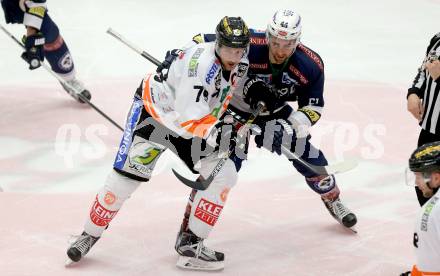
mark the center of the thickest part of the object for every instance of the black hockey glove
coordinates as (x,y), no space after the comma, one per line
(223,136)
(34,54)
(162,69)
(276,129)
(227,134)
(256,90)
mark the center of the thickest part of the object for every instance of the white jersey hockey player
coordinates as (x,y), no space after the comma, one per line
(287,71)
(171,110)
(425,162)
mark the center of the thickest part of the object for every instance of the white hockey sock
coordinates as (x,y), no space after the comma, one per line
(208,204)
(108,201)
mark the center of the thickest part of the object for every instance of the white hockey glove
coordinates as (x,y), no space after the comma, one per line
(301,124)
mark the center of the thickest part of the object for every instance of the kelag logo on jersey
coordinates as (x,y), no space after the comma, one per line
(212,72)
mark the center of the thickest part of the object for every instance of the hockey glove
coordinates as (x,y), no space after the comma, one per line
(34,54)
(278,129)
(163,68)
(223,136)
(256,90)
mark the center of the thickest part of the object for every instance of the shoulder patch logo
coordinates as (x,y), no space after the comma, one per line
(198,39)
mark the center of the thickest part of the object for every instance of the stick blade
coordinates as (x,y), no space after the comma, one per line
(198,185)
(342,167)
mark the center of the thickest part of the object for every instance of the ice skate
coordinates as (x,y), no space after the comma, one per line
(341,213)
(80,247)
(195,255)
(78,88)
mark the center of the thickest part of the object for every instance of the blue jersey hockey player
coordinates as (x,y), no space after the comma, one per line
(286,71)
(43,40)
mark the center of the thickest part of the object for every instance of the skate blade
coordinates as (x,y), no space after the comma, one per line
(197,264)
(352,229)
(68,263)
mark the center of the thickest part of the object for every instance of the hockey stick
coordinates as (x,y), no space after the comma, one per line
(340,167)
(146,55)
(203,184)
(322,170)
(241,137)
(61,80)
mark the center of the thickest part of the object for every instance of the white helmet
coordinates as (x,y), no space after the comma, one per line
(285,24)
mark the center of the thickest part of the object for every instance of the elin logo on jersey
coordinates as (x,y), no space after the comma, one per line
(207,211)
(99,215)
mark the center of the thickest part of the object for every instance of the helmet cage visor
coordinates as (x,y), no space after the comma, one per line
(411,178)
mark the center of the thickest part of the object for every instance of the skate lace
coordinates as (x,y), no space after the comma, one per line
(341,211)
(76,84)
(83,244)
(201,248)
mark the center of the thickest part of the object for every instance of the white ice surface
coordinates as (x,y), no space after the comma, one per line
(273,224)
